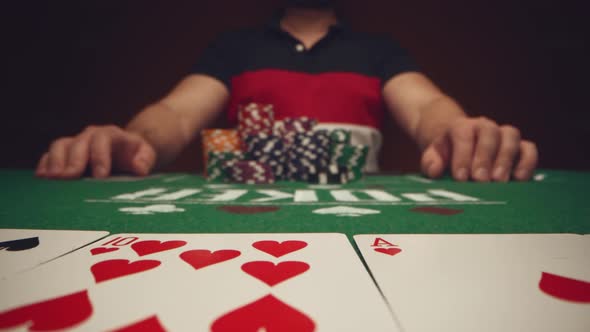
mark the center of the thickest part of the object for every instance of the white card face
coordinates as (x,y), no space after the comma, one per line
(22,249)
(524,282)
(202,282)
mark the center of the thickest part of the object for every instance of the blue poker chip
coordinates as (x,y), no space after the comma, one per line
(268,149)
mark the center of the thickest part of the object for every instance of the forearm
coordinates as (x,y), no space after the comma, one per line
(163,129)
(172,123)
(435,117)
(419,107)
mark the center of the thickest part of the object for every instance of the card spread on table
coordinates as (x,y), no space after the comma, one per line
(526,282)
(200,282)
(22,249)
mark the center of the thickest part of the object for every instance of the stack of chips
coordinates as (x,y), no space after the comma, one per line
(254,119)
(249,172)
(354,158)
(283,150)
(216,161)
(308,155)
(255,128)
(339,139)
(290,127)
(219,140)
(268,149)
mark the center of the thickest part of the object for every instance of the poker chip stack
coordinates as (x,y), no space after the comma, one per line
(255,127)
(354,158)
(263,150)
(290,127)
(339,139)
(267,149)
(219,140)
(249,172)
(254,119)
(308,155)
(216,164)
(345,157)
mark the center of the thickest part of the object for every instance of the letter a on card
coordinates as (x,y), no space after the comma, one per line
(379,242)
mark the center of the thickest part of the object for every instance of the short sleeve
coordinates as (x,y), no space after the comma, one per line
(218,59)
(394,60)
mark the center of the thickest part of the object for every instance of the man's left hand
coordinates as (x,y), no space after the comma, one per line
(481,150)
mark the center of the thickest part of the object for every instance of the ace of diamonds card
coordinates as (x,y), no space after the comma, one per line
(200,282)
(509,282)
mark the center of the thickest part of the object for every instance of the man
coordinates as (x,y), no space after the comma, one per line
(305,63)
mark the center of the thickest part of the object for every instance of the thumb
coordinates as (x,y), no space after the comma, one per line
(435,158)
(135,155)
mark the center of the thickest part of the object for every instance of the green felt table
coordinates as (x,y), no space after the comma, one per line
(388,204)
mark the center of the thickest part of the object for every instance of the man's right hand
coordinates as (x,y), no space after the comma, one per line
(170,125)
(103,149)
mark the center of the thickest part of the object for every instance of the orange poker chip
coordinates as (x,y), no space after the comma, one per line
(219,140)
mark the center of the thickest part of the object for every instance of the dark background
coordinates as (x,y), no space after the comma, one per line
(73,63)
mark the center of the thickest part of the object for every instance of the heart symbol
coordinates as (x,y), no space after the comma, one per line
(389,251)
(565,288)
(265,314)
(277,249)
(101,250)
(201,258)
(55,314)
(148,247)
(272,274)
(437,210)
(115,268)
(239,209)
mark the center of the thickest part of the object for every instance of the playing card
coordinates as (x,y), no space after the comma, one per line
(22,249)
(528,282)
(201,282)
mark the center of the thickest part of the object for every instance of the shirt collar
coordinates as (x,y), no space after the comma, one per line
(274,24)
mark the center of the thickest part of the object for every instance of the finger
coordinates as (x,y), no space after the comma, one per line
(57,156)
(462,143)
(486,148)
(436,157)
(144,160)
(42,166)
(77,157)
(133,154)
(100,154)
(529,156)
(507,153)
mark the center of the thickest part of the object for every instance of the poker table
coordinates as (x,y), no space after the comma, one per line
(554,202)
